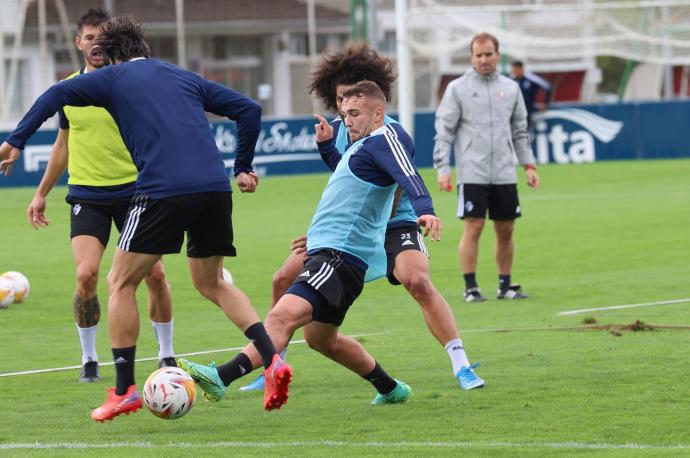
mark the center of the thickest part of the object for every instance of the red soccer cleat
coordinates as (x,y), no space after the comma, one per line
(278,377)
(116,405)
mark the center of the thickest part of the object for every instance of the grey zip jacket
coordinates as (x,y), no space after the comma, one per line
(486,119)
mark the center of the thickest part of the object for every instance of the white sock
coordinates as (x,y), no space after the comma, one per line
(457,355)
(283,354)
(164,334)
(87,337)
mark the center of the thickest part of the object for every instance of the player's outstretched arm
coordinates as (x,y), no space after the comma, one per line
(82,91)
(57,164)
(8,156)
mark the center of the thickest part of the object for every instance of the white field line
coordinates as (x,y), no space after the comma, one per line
(195,353)
(626,306)
(341,444)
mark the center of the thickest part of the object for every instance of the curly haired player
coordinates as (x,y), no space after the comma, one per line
(405,258)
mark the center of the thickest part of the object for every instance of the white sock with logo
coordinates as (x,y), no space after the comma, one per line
(87,337)
(457,355)
(164,334)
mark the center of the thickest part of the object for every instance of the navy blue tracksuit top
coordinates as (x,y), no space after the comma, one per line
(160,111)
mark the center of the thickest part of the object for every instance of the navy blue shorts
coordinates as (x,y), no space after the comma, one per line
(330,284)
(159,226)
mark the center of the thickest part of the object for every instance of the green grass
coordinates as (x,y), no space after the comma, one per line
(592,236)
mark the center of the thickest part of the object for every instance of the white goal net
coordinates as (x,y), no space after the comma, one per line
(558,32)
(554,36)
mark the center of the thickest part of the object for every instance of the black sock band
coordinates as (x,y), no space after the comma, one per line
(383,382)
(124,368)
(235,368)
(263,343)
(470,280)
(504,282)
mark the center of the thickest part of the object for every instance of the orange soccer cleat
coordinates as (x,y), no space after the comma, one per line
(278,377)
(116,405)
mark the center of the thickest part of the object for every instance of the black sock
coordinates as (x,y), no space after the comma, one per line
(124,368)
(263,343)
(383,382)
(504,282)
(235,368)
(470,280)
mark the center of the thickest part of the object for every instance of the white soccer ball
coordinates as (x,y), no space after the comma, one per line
(20,284)
(227,276)
(169,393)
(6,293)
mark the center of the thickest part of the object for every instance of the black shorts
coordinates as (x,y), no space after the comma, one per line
(336,283)
(501,200)
(159,226)
(95,217)
(401,239)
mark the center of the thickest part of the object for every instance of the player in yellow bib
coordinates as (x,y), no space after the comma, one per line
(101,183)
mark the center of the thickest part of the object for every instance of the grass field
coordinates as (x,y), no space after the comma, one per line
(593,236)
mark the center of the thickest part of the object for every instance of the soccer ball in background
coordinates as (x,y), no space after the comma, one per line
(227,276)
(19,283)
(6,293)
(169,393)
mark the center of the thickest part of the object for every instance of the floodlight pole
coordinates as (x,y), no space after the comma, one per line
(666,48)
(109,6)
(181,46)
(405,82)
(42,42)
(372,26)
(359,16)
(311,26)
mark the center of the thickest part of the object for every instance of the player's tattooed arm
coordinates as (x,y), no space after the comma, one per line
(87,312)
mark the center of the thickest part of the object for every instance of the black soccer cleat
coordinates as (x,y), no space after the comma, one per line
(513,292)
(167,362)
(474,295)
(89,372)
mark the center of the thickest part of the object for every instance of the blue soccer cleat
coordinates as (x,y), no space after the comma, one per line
(400,393)
(257,385)
(468,379)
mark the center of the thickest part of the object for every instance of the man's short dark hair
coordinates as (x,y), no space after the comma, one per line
(93,17)
(354,63)
(517,63)
(482,37)
(122,39)
(365,88)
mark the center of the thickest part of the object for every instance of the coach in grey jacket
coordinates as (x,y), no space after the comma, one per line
(483,114)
